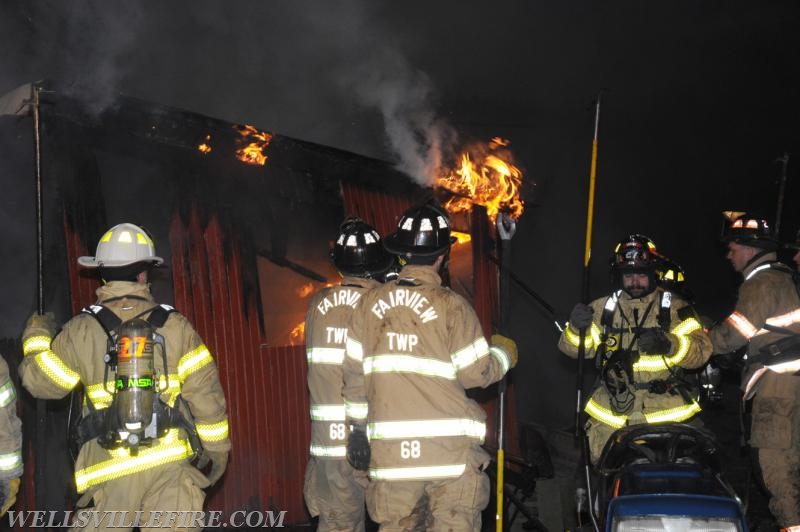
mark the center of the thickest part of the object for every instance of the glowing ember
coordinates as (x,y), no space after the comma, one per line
(204,147)
(255,150)
(461,238)
(305,290)
(488,177)
(298,333)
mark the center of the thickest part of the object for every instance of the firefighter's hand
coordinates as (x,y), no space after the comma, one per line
(358,451)
(508,346)
(655,341)
(10,489)
(40,325)
(581,316)
(219,461)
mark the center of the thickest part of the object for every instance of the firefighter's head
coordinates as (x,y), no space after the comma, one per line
(633,265)
(748,236)
(124,253)
(358,250)
(422,236)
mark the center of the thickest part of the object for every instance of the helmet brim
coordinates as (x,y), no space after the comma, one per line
(372,270)
(92,262)
(397,248)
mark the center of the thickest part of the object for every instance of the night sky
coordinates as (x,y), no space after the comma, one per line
(701,98)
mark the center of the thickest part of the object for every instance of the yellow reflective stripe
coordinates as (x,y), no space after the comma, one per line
(329,451)
(123,465)
(470,354)
(327,412)
(194,360)
(605,415)
(354,349)
(325,355)
(11,461)
(56,370)
(657,362)
(674,415)
(591,340)
(501,357)
(742,324)
(422,472)
(213,431)
(409,364)
(427,428)
(98,394)
(356,410)
(35,344)
(7,394)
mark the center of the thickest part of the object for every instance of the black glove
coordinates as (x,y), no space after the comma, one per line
(358,452)
(581,316)
(655,341)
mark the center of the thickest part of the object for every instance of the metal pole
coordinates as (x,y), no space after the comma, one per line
(506,227)
(781,190)
(41,407)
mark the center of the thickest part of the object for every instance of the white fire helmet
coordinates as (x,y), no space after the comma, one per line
(122,245)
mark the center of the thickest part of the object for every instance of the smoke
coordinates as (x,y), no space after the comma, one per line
(418,138)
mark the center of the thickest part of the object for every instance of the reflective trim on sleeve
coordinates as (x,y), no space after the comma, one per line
(413,473)
(356,410)
(213,432)
(35,344)
(169,450)
(11,461)
(7,394)
(501,357)
(466,356)
(427,428)
(327,412)
(742,324)
(354,350)
(784,320)
(325,355)
(98,394)
(591,340)
(329,451)
(55,369)
(409,364)
(660,362)
(192,361)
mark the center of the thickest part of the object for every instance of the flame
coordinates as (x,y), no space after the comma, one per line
(486,176)
(305,290)
(254,151)
(204,147)
(461,238)
(298,332)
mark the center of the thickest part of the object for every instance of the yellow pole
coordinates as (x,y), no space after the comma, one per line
(501,459)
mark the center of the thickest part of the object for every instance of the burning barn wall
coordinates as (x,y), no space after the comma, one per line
(244,219)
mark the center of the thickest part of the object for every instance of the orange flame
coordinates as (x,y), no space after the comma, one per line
(305,290)
(488,177)
(254,151)
(204,147)
(461,238)
(298,332)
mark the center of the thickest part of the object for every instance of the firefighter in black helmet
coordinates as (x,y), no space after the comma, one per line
(333,490)
(413,348)
(640,337)
(766,319)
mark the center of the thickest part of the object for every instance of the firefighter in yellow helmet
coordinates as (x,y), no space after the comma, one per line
(334,491)
(766,319)
(413,348)
(641,337)
(153,399)
(10,441)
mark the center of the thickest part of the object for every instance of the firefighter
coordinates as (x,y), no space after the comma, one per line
(642,337)
(10,441)
(413,348)
(132,466)
(766,319)
(334,491)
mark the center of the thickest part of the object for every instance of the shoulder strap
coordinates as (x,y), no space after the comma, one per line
(105,317)
(158,317)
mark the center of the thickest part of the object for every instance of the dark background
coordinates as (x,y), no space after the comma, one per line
(701,99)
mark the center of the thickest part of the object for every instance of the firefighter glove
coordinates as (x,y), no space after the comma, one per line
(40,325)
(219,461)
(9,489)
(581,316)
(655,341)
(358,451)
(508,346)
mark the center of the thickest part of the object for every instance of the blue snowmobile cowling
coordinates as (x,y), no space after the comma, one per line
(665,478)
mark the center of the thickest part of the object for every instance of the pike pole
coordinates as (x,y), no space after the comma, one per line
(506,227)
(781,191)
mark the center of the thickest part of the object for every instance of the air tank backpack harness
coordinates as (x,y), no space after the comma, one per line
(137,415)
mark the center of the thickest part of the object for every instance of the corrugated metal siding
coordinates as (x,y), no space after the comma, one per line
(379,210)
